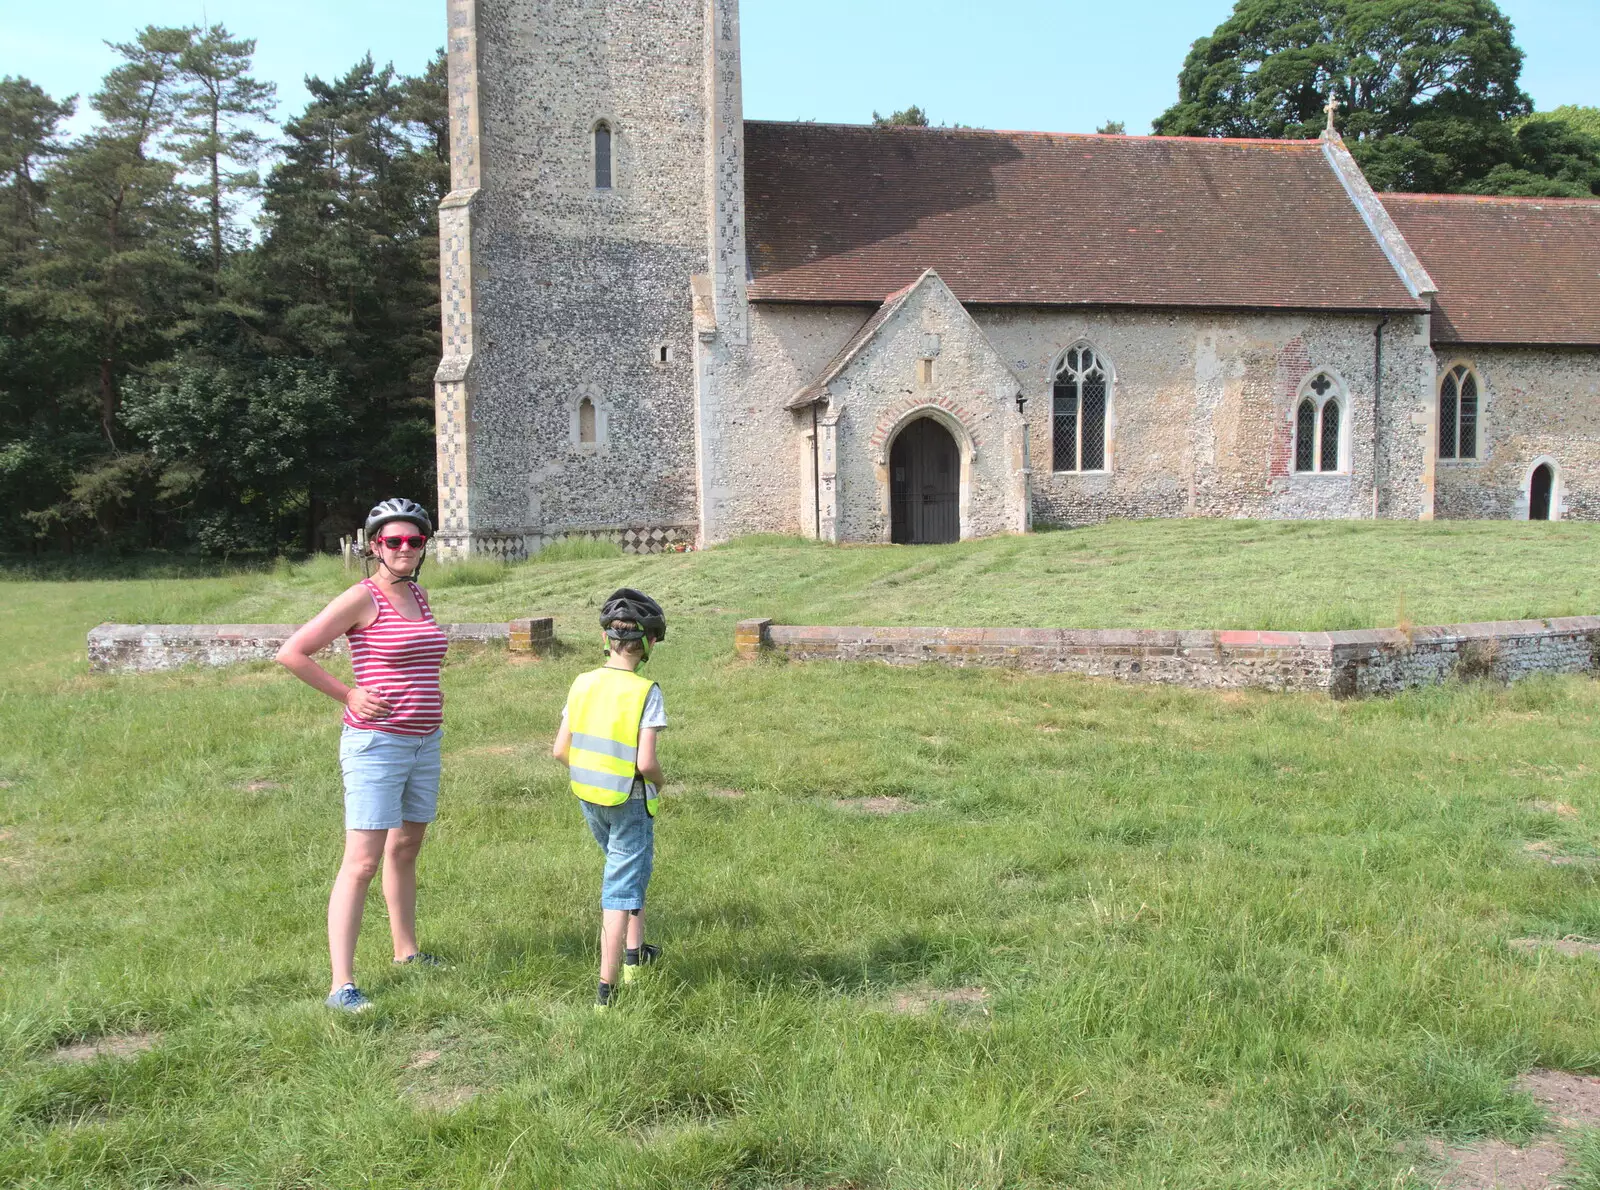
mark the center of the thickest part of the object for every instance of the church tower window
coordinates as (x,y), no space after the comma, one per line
(602,156)
(1081,402)
(1319,427)
(586,421)
(1458,414)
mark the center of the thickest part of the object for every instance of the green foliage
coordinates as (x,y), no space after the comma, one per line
(1556,154)
(215,132)
(1583,119)
(29,137)
(1112,128)
(1549,158)
(1429,87)
(127,277)
(244,449)
(909,117)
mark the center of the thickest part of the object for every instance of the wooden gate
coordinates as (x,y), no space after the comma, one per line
(924,485)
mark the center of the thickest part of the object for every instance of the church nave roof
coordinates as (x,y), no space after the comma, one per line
(850,213)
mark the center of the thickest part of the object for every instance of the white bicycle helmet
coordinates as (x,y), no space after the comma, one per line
(397,509)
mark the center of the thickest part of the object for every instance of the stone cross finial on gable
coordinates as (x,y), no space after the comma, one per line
(1333,111)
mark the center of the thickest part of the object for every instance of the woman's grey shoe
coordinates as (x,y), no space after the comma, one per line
(349,999)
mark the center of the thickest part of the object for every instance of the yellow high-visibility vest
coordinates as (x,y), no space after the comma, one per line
(604,709)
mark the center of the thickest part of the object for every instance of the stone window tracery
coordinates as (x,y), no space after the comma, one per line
(1080,406)
(1458,414)
(602,156)
(1319,427)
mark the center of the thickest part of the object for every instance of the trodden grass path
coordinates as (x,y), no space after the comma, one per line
(1113,937)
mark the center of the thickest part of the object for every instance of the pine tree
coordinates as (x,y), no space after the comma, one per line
(216,130)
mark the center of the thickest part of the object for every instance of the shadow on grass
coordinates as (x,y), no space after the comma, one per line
(886,962)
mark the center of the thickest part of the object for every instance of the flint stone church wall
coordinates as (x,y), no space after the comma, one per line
(759,463)
(1200,424)
(1535,405)
(1201,418)
(579,288)
(971,393)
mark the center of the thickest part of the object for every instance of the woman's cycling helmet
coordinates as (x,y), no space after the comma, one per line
(634,607)
(397,509)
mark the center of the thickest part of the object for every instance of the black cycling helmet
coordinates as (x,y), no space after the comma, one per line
(398,509)
(634,607)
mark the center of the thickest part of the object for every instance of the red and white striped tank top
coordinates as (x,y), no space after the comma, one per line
(400,659)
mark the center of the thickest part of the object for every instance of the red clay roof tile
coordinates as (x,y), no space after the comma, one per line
(1509,270)
(849,213)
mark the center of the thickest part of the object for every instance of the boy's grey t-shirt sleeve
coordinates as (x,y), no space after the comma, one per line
(655,710)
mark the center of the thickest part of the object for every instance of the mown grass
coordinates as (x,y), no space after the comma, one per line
(1227,940)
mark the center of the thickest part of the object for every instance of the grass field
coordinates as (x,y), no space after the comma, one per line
(1222,940)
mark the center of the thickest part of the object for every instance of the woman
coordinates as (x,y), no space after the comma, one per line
(389,751)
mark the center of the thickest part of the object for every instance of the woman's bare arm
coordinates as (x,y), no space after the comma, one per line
(563,744)
(347,611)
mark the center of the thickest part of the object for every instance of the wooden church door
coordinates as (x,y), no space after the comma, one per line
(924,485)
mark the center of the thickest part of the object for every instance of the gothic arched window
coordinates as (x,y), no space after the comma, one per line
(1319,426)
(1458,414)
(586,422)
(1081,402)
(602,156)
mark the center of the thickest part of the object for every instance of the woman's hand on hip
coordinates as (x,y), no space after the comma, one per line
(364,704)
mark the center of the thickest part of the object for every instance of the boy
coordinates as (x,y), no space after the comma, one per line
(608,743)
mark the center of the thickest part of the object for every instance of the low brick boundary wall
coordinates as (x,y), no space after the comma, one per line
(1340,664)
(150,648)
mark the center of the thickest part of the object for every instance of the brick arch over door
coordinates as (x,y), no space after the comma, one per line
(942,412)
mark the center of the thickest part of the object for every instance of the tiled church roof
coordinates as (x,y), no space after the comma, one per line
(849,213)
(1509,270)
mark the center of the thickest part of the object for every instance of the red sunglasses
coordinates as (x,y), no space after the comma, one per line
(415,542)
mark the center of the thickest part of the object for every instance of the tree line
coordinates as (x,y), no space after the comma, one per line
(169,380)
(197,355)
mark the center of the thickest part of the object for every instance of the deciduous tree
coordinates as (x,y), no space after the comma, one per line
(1428,87)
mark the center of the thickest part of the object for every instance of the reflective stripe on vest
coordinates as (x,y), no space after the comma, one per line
(604,710)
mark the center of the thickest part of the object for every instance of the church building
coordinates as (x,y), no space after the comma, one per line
(667,326)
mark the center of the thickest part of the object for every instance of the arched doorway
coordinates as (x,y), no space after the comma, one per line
(924,485)
(1540,487)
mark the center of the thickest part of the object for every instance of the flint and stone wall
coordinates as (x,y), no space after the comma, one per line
(1201,420)
(150,648)
(1340,664)
(1534,405)
(573,291)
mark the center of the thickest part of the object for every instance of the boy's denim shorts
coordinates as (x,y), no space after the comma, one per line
(388,778)
(627,834)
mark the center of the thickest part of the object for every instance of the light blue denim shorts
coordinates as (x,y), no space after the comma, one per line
(388,778)
(627,834)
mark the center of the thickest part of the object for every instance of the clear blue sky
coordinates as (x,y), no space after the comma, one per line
(1056,65)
